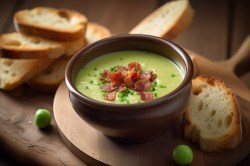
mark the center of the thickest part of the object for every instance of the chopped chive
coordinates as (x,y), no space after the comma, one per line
(172,75)
(152,89)
(121,59)
(113,69)
(94,75)
(87,87)
(162,86)
(155,94)
(95,69)
(89,74)
(154,83)
(91,81)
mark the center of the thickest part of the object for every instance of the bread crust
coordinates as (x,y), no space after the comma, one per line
(192,130)
(22,46)
(169,31)
(25,25)
(14,72)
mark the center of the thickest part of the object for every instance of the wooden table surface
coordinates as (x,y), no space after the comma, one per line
(217,30)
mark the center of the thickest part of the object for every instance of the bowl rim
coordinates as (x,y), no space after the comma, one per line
(113,106)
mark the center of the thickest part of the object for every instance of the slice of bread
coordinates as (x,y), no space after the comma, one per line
(15,72)
(22,46)
(73,46)
(51,23)
(168,21)
(212,117)
(96,32)
(50,79)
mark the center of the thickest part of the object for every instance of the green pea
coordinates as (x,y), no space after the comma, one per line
(183,155)
(42,118)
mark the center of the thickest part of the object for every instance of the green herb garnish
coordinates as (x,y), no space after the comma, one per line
(162,86)
(113,69)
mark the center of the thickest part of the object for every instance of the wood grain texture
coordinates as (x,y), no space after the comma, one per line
(208,33)
(7,9)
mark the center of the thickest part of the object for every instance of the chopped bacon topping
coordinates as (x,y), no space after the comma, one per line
(115,77)
(122,88)
(142,85)
(110,96)
(128,77)
(134,65)
(147,96)
(108,87)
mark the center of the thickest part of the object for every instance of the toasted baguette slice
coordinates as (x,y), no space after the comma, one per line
(15,72)
(50,79)
(212,118)
(96,32)
(168,21)
(21,46)
(51,23)
(73,46)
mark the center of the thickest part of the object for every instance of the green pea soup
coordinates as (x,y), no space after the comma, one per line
(169,75)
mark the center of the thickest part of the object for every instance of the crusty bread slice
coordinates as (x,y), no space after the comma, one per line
(213,118)
(51,23)
(96,32)
(73,46)
(21,46)
(168,21)
(15,72)
(50,79)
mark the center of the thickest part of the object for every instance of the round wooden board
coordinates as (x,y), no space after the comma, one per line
(96,149)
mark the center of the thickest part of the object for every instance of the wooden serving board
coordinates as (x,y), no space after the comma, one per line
(26,143)
(96,149)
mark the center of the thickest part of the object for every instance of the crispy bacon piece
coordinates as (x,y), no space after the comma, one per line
(110,96)
(108,87)
(121,68)
(145,76)
(122,88)
(153,77)
(135,65)
(146,96)
(142,85)
(105,73)
(128,81)
(115,77)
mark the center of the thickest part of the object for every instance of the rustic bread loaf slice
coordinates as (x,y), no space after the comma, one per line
(96,32)
(73,46)
(213,118)
(51,23)
(15,72)
(21,46)
(168,21)
(50,79)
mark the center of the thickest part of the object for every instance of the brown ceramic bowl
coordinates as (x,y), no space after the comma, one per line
(131,122)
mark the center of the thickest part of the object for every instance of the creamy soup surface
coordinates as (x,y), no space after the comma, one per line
(92,79)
